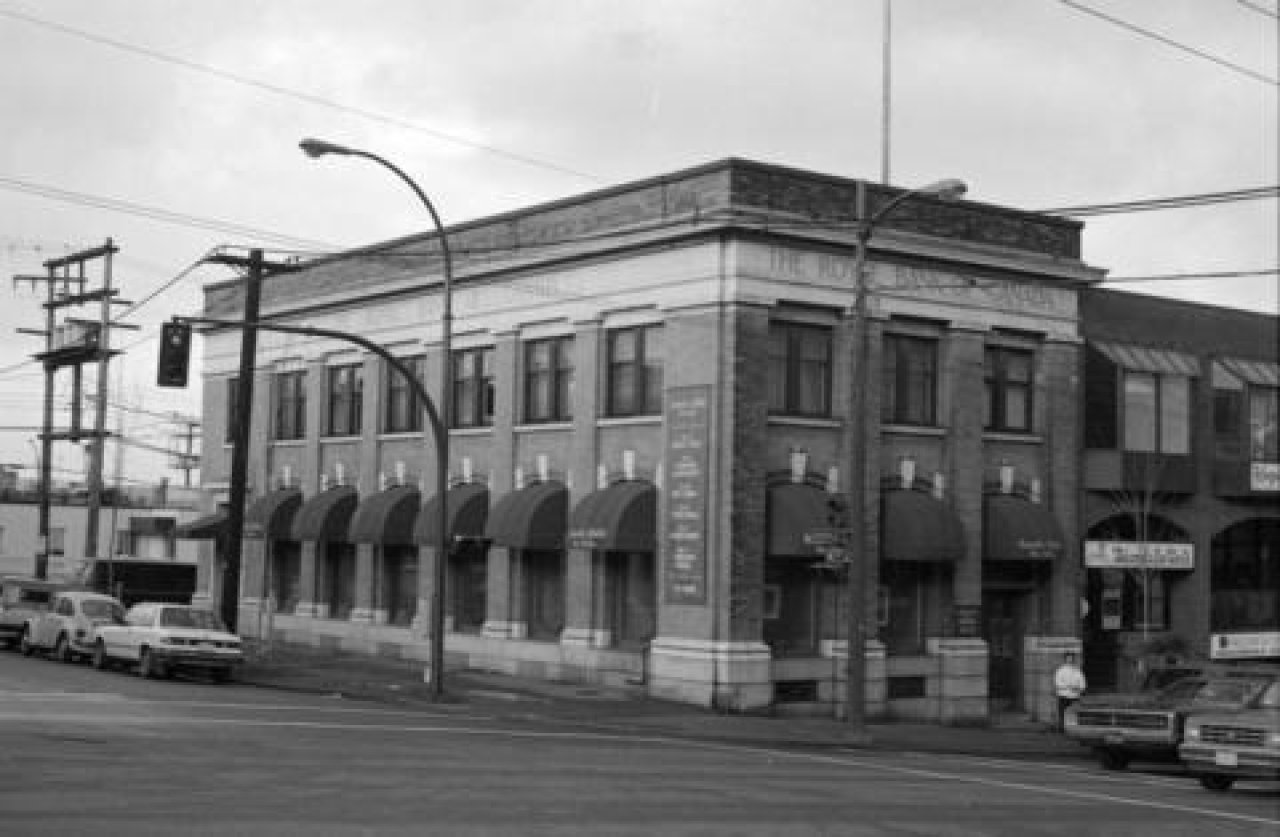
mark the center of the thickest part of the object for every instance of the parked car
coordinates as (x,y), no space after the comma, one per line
(1148,725)
(21,599)
(159,638)
(69,628)
(1221,747)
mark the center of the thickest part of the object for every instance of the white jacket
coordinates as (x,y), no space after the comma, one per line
(1068,681)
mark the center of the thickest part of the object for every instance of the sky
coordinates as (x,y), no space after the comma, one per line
(171,128)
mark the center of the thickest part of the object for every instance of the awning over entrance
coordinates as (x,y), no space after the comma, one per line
(917,527)
(1015,529)
(620,518)
(791,510)
(1257,372)
(326,516)
(532,518)
(1148,359)
(386,518)
(467,510)
(271,515)
(203,528)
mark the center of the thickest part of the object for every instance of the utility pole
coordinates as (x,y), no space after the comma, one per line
(73,343)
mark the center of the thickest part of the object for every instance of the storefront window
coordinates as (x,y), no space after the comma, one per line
(1264,424)
(544,594)
(791,612)
(340,579)
(1245,577)
(633,597)
(911,604)
(286,575)
(400,583)
(468,568)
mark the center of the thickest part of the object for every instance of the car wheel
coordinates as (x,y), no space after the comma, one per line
(100,661)
(1215,782)
(147,665)
(62,650)
(24,644)
(1112,759)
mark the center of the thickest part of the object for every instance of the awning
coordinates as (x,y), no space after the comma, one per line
(387,517)
(326,516)
(917,527)
(467,510)
(203,528)
(1257,372)
(1015,529)
(793,510)
(532,518)
(1149,359)
(271,515)
(620,518)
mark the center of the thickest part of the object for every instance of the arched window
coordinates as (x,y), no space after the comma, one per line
(1245,577)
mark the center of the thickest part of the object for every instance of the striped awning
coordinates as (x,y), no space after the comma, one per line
(1260,373)
(1149,358)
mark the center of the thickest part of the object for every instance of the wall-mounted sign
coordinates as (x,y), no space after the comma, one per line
(1264,476)
(1139,555)
(1244,646)
(684,552)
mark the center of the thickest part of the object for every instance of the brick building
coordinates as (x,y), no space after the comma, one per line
(652,386)
(1181,482)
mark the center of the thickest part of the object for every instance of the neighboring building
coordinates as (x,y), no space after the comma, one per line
(651,441)
(1181,483)
(135,525)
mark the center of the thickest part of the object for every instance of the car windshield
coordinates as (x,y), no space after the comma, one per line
(1182,689)
(189,617)
(98,609)
(1228,691)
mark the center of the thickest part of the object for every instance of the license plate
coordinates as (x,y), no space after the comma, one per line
(1224,758)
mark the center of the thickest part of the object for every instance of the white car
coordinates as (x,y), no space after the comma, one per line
(69,628)
(159,638)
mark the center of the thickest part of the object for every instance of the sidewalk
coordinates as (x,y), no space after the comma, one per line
(400,682)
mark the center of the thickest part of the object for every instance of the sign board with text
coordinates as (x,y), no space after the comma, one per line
(684,551)
(1139,555)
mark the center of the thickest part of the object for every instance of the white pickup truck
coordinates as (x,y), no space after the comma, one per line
(159,638)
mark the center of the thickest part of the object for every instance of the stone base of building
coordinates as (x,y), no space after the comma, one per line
(731,676)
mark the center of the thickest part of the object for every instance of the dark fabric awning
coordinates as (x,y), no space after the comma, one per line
(387,517)
(271,515)
(1015,529)
(792,510)
(620,518)
(326,516)
(917,527)
(204,528)
(468,509)
(1149,359)
(532,518)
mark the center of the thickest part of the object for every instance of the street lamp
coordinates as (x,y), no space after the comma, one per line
(319,148)
(856,587)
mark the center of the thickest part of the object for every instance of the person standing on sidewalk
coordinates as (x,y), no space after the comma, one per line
(1068,684)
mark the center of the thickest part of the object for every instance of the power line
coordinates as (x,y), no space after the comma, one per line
(309,98)
(1173,277)
(1259,9)
(1180,202)
(1147,33)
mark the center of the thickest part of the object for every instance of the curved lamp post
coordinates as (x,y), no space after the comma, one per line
(440,420)
(856,587)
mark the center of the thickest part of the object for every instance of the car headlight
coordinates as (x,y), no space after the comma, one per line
(1192,733)
(1273,739)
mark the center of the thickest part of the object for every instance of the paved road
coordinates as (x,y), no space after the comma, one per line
(85,752)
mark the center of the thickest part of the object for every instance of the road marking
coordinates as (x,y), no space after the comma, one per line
(1090,796)
(75,696)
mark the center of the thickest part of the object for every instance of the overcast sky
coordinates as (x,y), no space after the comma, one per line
(188,115)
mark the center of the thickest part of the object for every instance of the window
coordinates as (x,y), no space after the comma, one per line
(1264,424)
(1008,383)
(346,399)
(339,579)
(909,387)
(404,407)
(473,388)
(548,380)
(635,371)
(233,404)
(400,584)
(1157,413)
(799,369)
(286,576)
(467,586)
(544,594)
(291,405)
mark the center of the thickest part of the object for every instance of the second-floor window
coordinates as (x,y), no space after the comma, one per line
(548,380)
(1264,424)
(473,387)
(1157,413)
(404,407)
(346,399)
(233,405)
(909,387)
(291,405)
(799,369)
(635,360)
(1008,374)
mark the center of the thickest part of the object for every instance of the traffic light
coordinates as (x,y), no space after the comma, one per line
(175,354)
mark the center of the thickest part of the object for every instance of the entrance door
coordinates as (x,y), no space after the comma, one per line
(1002,629)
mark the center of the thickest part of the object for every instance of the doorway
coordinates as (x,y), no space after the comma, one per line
(1003,626)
